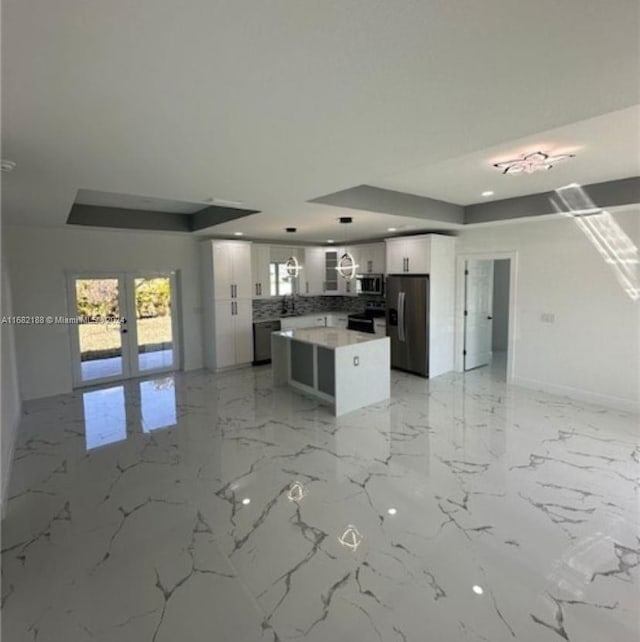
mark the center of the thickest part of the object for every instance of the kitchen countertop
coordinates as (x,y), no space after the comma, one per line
(306,314)
(329,337)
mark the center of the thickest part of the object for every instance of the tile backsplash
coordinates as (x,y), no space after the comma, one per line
(275,307)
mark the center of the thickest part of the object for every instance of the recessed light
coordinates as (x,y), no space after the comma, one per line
(246,501)
(238,233)
(392,511)
(392,229)
(478,590)
(487,193)
(330,241)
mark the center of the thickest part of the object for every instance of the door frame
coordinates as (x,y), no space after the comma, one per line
(130,367)
(460,302)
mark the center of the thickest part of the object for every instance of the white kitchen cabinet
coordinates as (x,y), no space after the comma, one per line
(380,327)
(334,283)
(313,271)
(260,282)
(226,295)
(408,254)
(243,327)
(370,258)
(231,265)
(337,321)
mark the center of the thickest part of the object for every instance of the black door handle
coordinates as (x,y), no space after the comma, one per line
(490,318)
(124,331)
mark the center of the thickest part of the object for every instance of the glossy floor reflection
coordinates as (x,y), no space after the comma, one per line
(462,509)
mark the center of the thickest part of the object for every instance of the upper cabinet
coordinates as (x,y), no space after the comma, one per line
(260,259)
(313,271)
(370,258)
(231,265)
(409,254)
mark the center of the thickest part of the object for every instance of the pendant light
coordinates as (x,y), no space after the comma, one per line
(292,266)
(346,263)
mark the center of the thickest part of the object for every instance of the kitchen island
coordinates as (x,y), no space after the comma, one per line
(347,369)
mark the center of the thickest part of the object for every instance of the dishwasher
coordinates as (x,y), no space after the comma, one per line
(262,340)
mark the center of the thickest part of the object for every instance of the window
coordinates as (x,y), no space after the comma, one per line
(281,283)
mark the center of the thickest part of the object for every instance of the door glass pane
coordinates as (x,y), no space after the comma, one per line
(331,271)
(153,323)
(98,313)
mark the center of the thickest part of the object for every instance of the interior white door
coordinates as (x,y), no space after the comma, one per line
(478,313)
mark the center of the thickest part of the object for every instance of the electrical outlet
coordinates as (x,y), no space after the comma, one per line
(547,317)
(356,361)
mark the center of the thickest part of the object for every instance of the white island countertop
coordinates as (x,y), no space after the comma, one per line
(329,337)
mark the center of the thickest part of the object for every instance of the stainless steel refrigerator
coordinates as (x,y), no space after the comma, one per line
(408,322)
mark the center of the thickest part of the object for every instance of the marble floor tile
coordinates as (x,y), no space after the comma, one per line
(199,507)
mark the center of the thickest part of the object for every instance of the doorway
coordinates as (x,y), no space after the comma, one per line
(485,319)
(124,325)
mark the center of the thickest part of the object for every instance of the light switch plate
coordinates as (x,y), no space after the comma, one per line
(356,361)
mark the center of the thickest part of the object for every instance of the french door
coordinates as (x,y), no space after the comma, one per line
(123,325)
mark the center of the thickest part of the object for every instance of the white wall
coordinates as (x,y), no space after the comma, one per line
(39,259)
(500,313)
(11,404)
(592,348)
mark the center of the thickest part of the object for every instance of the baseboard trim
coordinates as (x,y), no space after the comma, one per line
(617,403)
(6,473)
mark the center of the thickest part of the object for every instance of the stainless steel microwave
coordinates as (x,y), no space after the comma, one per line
(370,284)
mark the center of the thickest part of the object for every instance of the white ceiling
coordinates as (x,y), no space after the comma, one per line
(606,148)
(316,223)
(275,103)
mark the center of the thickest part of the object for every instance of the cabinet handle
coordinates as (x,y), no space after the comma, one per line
(260,284)
(369,266)
(231,286)
(306,290)
(231,308)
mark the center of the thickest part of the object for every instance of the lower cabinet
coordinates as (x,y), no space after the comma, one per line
(232,332)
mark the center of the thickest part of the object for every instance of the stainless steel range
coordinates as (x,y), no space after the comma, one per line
(365,321)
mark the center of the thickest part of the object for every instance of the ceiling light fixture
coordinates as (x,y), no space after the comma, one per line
(246,501)
(478,590)
(488,193)
(7,166)
(392,511)
(238,233)
(346,263)
(530,163)
(330,241)
(392,229)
